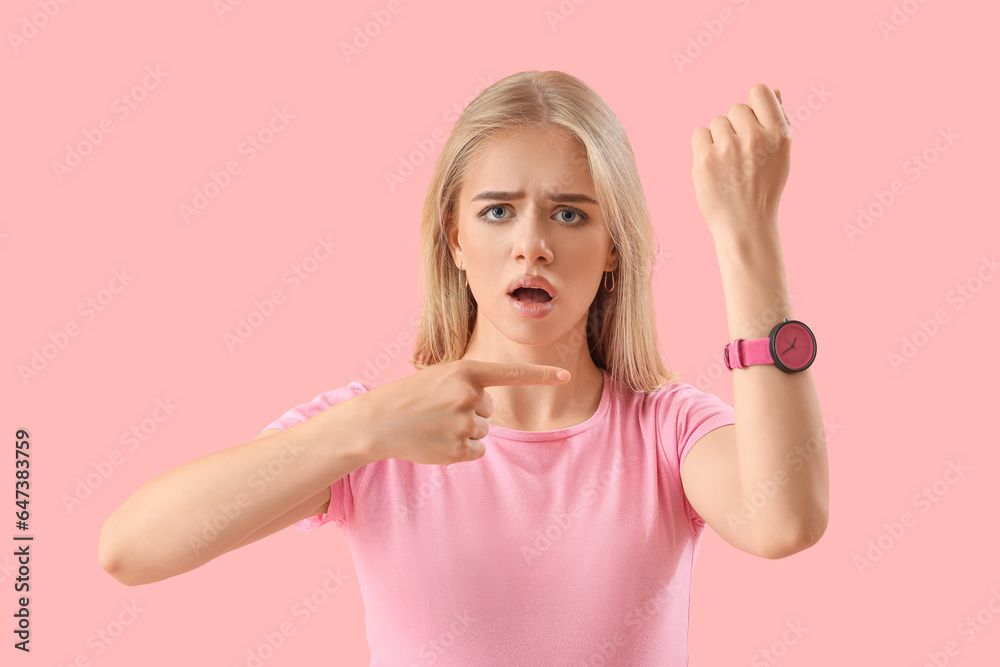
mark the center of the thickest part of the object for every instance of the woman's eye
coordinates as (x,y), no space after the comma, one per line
(495,208)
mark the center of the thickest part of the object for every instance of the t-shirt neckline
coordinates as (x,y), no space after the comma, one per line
(535,436)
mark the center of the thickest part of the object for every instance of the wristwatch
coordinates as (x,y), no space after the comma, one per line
(791,346)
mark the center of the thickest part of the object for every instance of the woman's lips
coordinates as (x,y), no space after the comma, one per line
(530,310)
(532,280)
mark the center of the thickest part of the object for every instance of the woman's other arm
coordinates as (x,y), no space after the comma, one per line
(194,513)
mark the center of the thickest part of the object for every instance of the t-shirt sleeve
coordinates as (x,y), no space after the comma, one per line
(341,510)
(690,413)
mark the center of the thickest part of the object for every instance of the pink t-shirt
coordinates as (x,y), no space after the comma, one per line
(570,547)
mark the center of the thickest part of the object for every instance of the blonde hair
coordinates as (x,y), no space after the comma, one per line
(621,325)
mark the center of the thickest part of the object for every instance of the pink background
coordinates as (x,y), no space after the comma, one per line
(892,431)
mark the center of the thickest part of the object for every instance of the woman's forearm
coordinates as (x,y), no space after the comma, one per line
(202,509)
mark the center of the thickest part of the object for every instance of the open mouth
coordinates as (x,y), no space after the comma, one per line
(531,295)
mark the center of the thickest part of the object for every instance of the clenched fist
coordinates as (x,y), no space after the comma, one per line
(741,164)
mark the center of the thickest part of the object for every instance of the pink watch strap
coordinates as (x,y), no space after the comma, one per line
(742,353)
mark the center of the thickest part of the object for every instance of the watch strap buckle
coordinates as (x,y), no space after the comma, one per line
(734,360)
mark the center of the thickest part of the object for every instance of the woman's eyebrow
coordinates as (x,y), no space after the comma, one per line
(513,196)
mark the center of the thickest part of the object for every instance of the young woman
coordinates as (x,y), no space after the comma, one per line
(549,520)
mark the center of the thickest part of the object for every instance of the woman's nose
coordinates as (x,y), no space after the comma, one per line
(531,238)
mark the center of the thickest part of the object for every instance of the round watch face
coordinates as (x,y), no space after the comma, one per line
(793,346)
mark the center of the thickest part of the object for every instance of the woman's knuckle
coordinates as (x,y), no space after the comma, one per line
(468,397)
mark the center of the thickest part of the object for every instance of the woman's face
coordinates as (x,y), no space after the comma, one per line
(528,206)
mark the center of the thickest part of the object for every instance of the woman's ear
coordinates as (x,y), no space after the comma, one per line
(454,246)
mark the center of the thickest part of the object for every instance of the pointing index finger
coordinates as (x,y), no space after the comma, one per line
(491,373)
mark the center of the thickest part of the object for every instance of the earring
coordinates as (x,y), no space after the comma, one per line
(607,273)
(460,272)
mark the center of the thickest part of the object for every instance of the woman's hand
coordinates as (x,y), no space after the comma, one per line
(438,415)
(741,165)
